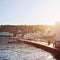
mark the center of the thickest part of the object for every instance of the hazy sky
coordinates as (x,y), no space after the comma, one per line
(29,11)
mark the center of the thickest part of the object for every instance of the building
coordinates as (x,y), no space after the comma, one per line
(6,34)
(4,37)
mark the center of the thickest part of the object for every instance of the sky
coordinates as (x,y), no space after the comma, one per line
(29,12)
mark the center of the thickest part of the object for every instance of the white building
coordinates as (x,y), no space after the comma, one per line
(28,36)
(37,34)
(4,37)
(32,35)
(5,34)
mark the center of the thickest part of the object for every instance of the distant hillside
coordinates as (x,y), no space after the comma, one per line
(24,28)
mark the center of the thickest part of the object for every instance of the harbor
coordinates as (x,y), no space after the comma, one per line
(23,51)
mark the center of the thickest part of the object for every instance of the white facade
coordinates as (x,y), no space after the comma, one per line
(36,35)
(5,34)
(28,36)
(32,35)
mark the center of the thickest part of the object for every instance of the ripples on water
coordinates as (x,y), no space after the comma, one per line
(22,51)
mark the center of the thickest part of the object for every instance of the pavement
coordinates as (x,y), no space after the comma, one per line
(39,42)
(45,44)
